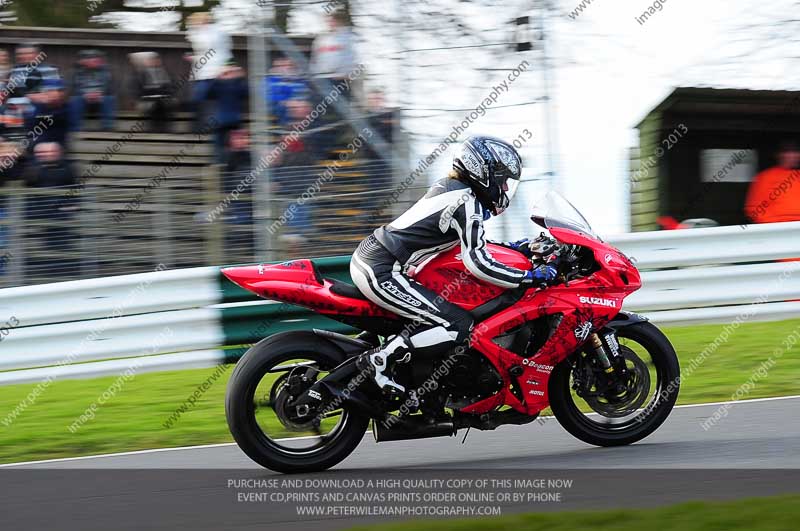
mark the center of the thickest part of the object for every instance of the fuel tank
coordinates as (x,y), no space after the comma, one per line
(446,274)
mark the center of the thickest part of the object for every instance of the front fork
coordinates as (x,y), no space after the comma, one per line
(609,359)
(600,351)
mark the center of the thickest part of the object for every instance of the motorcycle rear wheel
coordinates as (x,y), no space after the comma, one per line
(602,428)
(244,409)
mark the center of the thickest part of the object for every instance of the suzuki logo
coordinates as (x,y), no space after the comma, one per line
(597,301)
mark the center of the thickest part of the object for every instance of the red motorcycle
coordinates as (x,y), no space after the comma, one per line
(297,402)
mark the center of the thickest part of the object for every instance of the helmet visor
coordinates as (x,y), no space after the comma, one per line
(506,196)
(512,185)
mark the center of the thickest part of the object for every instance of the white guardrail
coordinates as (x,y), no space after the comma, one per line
(170,320)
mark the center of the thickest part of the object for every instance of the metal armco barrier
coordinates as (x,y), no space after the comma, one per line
(193,318)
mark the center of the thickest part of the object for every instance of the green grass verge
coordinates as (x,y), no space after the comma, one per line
(778,513)
(134,417)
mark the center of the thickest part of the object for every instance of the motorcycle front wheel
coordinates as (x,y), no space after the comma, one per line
(633,415)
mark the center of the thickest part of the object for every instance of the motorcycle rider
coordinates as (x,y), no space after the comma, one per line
(484,178)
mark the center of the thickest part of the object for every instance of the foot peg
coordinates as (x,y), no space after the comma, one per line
(376,362)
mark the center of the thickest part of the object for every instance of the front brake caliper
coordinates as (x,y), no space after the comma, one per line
(583,376)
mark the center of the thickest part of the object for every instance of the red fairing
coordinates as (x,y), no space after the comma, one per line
(296,282)
(616,269)
(446,274)
(585,305)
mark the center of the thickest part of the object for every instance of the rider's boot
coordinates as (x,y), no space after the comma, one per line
(378,360)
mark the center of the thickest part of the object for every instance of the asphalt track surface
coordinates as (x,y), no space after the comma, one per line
(753,451)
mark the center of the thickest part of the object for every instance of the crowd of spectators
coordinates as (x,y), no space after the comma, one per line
(36,113)
(40,108)
(35,117)
(38,105)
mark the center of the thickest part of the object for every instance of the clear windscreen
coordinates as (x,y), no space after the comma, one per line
(553,211)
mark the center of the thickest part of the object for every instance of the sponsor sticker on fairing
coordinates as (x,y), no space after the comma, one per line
(530,363)
(583,331)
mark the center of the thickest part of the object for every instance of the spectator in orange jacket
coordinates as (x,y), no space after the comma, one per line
(774,195)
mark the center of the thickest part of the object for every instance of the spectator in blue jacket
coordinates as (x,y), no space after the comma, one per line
(92,89)
(229,91)
(282,84)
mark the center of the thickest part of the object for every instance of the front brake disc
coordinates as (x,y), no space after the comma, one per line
(637,389)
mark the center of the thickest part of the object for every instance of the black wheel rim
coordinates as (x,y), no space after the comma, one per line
(599,415)
(277,432)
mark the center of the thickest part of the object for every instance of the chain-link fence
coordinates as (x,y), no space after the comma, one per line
(122,227)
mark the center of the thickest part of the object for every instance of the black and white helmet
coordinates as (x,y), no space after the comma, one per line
(492,168)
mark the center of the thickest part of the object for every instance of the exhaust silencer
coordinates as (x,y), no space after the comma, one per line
(411,428)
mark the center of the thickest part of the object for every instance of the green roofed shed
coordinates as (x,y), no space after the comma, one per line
(700,148)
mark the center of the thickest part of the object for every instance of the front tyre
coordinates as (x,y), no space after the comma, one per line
(259,413)
(619,420)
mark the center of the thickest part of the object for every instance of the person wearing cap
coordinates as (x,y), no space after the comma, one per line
(774,195)
(92,89)
(50,121)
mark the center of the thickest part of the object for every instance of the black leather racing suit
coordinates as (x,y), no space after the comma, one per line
(447,216)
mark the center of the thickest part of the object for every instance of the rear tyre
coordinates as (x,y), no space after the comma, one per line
(602,427)
(306,449)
